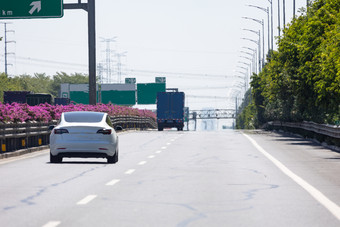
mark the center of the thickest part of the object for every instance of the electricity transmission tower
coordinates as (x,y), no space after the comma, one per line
(108,62)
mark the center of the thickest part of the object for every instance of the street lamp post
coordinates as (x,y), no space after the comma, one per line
(284,14)
(271,13)
(252,60)
(257,33)
(255,58)
(279,17)
(262,23)
(259,48)
(267,11)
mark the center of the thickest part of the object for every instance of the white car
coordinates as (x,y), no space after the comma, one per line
(84,135)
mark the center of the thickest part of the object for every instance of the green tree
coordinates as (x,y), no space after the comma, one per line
(62,77)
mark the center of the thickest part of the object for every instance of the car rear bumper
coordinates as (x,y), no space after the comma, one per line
(90,150)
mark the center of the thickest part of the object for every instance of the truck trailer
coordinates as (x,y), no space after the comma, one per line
(170,110)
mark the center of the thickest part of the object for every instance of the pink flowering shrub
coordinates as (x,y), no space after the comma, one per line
(17,112)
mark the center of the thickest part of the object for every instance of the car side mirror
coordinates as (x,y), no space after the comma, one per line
(118,128)
(51,127)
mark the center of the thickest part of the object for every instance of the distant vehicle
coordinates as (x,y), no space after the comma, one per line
(170,110)
(36,99)
(26,97)
(15,96)
(62,101)
(84,135)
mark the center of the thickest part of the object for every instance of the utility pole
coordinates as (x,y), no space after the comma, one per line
(89,7)
(6,49)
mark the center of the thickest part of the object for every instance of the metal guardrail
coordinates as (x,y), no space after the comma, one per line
(17,136)
(332,131)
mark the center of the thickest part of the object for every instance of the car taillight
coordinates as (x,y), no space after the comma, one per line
(104,131)
(60,131)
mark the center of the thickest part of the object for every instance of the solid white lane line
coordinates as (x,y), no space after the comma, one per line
(113,182)
(25,156)
(87,199)
(52,224)
(158,152)
(163,148)
(130,171)
(315,193)
(151,156)
(142,163)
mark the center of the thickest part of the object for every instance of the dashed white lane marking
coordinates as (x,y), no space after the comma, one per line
(142,163)
(158,152)
(113,182)
(52,224)
(151,156)
(172,140)
(168,144)
(130,171)
(315,193)
(163,148)
(87,199)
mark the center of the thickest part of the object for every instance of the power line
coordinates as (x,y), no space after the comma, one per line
(83,67)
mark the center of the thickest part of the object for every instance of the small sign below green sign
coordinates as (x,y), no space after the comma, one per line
(29,9)
(130,80)
(160,80)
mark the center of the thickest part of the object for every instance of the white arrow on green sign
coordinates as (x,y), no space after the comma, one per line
(29,9)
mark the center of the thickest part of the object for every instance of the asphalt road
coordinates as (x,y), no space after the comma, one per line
(179,179)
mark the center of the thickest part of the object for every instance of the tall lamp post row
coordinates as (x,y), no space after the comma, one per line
(257,64)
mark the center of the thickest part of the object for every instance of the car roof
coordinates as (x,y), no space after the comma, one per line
(83,116)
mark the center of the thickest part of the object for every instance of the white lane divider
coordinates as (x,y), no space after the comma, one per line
(158,152)
(151,156)
(163,148)
(168,144)
(142,163)
(87,199)
(52,224)
(130,171)
(315,193)
(113,182)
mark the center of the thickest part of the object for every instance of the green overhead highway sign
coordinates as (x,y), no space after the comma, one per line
(147,93)
(29,9)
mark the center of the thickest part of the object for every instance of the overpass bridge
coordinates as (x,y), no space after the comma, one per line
(212,114)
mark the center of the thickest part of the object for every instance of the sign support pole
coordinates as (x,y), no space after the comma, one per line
(90,8)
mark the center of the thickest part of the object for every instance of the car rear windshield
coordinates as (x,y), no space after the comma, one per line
(83,117)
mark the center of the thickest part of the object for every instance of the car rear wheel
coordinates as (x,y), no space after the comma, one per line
(114,158)
(55,159)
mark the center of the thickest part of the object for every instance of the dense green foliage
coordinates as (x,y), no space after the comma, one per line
(301,80)
(39,83)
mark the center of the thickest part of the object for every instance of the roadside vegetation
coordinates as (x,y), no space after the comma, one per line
(21,112)
(39,83)
(301,81)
